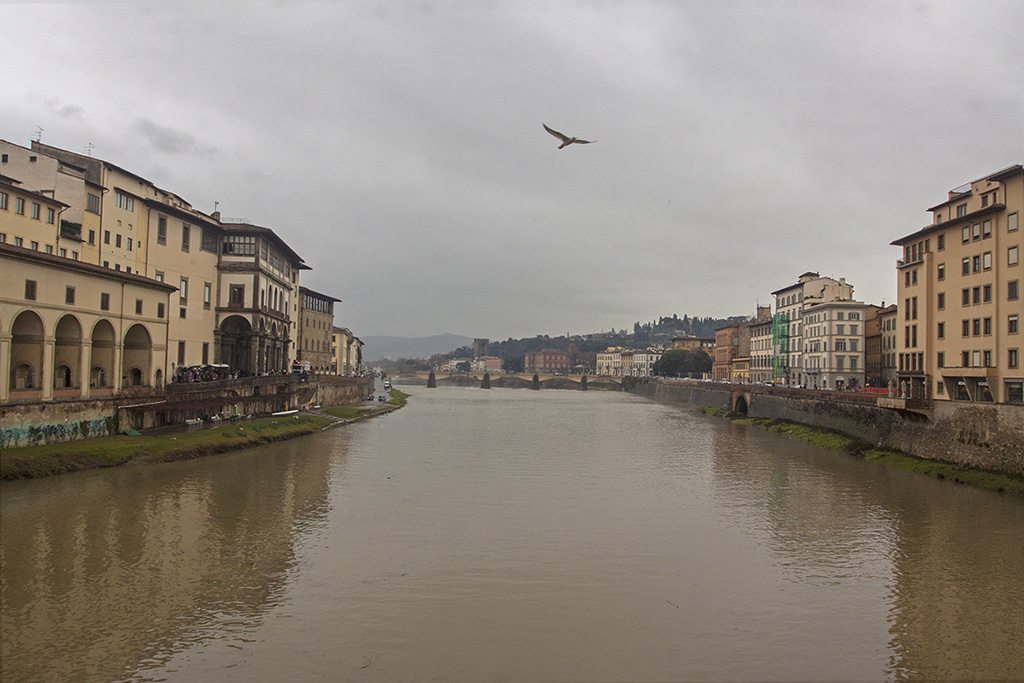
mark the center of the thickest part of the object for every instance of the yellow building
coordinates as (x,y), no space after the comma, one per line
(69,329)
(316,330)
(959,296)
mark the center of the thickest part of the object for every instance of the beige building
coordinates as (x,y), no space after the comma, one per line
(316,328)
(609,362)
(788,332)
(69,329)
(959,293)
(833,349)
(887,323)
(761,346)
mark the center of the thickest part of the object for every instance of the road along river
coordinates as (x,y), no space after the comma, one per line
(511,535)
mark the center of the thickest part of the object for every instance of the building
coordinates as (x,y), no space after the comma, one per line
(316,326)
(761,346)
(644,360)
(887,321)
(256,328)
(873,346)
(486,364)
(481,347)
(787,324)
(609,362)
(727,347)
(832,354)
(958,336)
(75,330)
(548,361)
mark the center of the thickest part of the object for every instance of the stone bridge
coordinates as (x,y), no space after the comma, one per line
(511,379)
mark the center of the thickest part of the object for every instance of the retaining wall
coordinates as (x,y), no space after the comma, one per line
(989,437)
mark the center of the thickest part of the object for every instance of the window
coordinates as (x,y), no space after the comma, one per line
(1012,290)
(1012,256)
(942,331)
(161,230)
(209,241)
(942,301)
(117,240)
(1014,390)
(240,245)
(129,244)
(237,296)
(35,211)
(965,234)
(206,352)
(986,360)
(104,302)
(841,345)
(986,229)
(965,328)
(976,295)
(31,286)
(51,215)
(19,206)
(1013,324)
(92,237)
(49,248)
(976,232)
(33,245)
(1011,221)
(183,290)
(986,260)
(975,359)
(181,353)
(124,201)
(186,234)
(965,266)
(19,242)
(92,202)
(986,326)
(986,294)
(106,237)
(1013,358)
(941,242)
(3,200)
(207,292)
(182,312)
(138,307)
(961,209)
(159,276)
(976,327)
(160,310)
(941,271)
(940,359)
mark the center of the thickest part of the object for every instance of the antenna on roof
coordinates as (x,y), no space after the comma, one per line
(88,149)
(39,134)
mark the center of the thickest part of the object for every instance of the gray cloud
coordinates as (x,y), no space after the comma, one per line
(400,151)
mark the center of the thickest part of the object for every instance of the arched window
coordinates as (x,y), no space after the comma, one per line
(62,377)
(135,377)
(98,377)
(23,377)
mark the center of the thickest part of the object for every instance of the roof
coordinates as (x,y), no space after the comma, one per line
(266,232)
(24,254)
(316,293)
(958,193)
(15,184)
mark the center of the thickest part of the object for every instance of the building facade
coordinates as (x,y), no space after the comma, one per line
(316,326)
(959,280)
(548,360)
(833,344)
(727,347)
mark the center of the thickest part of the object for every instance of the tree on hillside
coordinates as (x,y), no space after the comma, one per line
(513,363)
(683,363)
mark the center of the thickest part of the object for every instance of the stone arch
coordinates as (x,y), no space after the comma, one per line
(136,356)
(101,362)
(740,405)
(236,343)
(26,351)
(67,352)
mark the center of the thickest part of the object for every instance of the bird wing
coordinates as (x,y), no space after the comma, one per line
(563,138)
(583,142)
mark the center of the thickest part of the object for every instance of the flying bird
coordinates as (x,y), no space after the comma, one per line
(566,140)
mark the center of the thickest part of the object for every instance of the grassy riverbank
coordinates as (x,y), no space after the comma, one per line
(110,451)
(992,481)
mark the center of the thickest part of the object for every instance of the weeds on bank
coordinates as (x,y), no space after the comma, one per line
(993,481)
(398,398)
(108,451)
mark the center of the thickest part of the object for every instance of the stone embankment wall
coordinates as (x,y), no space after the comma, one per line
(989,437)
(24,424)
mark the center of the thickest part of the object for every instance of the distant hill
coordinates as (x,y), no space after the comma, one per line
(376,348)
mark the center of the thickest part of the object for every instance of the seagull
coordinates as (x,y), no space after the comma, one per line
(566,140)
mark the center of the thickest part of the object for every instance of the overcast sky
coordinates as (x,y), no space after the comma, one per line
(398,146)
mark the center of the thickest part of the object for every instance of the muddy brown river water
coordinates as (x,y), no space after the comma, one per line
(511,535)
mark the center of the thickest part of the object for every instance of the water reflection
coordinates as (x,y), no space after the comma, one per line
(954,600)
(107,573)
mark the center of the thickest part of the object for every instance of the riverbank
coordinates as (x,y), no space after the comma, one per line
(29,462)
(992,481)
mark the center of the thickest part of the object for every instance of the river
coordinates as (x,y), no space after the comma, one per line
(511,535)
